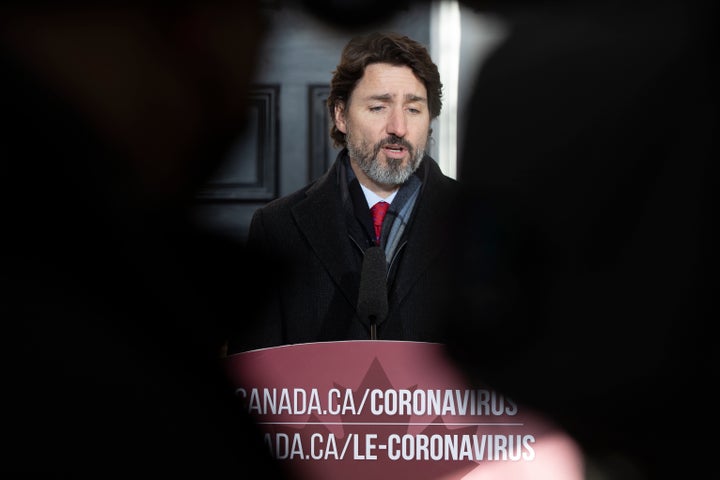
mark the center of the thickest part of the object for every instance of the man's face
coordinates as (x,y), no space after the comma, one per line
(387,123)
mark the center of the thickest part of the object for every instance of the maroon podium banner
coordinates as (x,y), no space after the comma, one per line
(388,409)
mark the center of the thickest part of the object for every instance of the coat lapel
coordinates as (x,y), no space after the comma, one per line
(321,219)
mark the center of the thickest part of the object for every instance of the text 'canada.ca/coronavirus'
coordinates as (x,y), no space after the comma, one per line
(336,401)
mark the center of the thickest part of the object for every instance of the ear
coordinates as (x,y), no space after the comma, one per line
(339,117)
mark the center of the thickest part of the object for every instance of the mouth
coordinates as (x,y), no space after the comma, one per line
(394,150)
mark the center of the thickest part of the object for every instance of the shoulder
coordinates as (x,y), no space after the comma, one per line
(324,186)
(286,202)
(432,173)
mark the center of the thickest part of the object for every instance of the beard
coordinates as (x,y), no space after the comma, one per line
(392,172)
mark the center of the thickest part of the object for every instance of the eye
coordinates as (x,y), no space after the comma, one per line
(376,108)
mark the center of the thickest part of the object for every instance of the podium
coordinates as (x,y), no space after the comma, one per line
(391,409)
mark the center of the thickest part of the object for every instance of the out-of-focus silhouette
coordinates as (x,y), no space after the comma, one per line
(114,306)
(586,241)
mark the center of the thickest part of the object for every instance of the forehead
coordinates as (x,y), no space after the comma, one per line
(393,81)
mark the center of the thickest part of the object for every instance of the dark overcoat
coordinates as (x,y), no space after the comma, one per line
(316,293)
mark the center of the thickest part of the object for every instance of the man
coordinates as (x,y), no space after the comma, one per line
(384,94)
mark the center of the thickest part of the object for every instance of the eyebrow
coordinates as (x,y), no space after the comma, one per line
(409,97)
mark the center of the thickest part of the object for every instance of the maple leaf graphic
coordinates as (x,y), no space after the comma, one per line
(356,463)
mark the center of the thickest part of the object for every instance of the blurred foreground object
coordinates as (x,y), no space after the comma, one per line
(113,305)
(589,229)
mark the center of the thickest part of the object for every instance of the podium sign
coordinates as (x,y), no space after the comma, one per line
(388,409)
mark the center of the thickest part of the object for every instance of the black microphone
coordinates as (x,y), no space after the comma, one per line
(372,304)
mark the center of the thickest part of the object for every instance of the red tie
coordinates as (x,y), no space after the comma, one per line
(378,214)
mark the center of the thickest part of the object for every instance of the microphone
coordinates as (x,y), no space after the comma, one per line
(372,304)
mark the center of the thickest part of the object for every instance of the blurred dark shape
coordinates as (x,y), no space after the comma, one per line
(354,14)
(587,239)
(114,306)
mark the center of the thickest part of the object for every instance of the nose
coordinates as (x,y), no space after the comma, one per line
(397,123)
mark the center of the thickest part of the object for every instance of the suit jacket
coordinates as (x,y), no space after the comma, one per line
(316,294)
